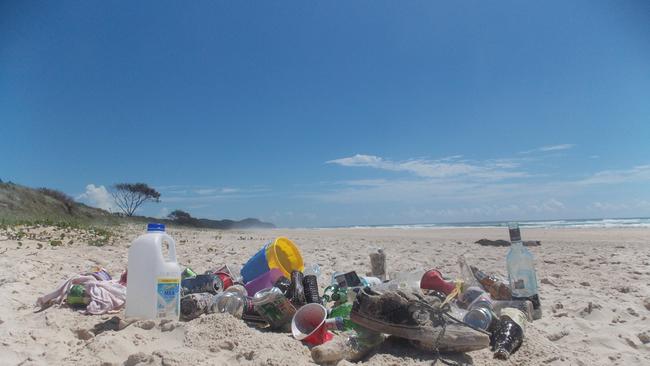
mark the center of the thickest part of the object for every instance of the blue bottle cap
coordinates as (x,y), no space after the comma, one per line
(154,226)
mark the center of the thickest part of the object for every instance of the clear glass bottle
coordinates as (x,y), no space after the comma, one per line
(521,266)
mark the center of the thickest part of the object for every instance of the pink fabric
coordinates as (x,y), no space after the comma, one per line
(105,296)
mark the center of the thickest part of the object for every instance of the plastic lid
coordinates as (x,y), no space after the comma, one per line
(154,226)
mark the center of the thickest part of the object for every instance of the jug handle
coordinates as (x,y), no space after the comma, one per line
(171,256)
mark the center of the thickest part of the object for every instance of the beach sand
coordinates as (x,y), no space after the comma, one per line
(595,293)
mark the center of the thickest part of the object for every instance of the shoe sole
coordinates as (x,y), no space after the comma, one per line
(457,337)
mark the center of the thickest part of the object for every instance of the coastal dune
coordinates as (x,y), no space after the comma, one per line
(594,288)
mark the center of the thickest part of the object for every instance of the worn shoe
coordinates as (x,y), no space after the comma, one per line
(407,315)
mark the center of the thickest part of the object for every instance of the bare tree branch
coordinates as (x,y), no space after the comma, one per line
(130,196)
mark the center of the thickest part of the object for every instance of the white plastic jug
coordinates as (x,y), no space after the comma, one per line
(154,282)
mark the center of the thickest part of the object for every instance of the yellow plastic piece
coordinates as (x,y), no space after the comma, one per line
(284,255)
(455,292)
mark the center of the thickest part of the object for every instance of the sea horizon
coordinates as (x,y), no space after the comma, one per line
(620,222)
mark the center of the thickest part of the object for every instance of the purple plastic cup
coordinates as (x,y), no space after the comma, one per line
(266,280)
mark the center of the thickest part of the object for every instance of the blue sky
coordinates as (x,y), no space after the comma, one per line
(333,113)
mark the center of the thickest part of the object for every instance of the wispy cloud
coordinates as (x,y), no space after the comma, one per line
(448,167)
(556,147)
(193,196)
(455,187)
(640,173)
(549,148)
(210,191)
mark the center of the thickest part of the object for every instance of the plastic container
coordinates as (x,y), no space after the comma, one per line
(266,280)
(402,281)
(371,281)
(378,263)
(281,253)
(154,280)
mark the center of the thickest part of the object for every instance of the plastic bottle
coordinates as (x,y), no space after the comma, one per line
(521,271)
(466,273)
(378,263)
(154,280)
(402,281)
(509,333)
(343,311)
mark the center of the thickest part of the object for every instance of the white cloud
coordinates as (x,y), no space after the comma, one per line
(163,213)
(549,148)
(552,205)
(556,147)
(97,196)
(638,173)
(443,168)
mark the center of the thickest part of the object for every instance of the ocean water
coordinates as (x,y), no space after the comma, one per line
(578,223)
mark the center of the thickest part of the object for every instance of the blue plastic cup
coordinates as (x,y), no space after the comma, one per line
(256,266)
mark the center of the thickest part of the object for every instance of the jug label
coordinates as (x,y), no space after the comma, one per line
(168,297)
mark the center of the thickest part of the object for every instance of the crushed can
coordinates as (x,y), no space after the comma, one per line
(276,309)
(210,283)
(188,273)
(195,304)
(77,296)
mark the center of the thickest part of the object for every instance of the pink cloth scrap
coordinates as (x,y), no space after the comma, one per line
(105,296)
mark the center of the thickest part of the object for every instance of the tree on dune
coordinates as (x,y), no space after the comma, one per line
(183,218)
(129,196)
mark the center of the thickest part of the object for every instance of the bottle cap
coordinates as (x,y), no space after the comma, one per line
(154,226)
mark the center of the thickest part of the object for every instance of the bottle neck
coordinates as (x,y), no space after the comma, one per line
(517,245)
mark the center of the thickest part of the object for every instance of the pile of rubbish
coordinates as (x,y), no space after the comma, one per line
(275,289)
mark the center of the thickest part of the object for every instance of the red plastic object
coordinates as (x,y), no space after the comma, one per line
(432,280)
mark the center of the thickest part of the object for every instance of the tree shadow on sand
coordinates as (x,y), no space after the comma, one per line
(401,347)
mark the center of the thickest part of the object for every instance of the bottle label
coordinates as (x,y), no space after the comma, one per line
(516,315)
(168,290)
(520,284)
(515,235)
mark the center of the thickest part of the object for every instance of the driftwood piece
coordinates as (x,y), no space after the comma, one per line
(505,243)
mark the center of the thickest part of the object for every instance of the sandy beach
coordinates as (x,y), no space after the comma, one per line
(595,293)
